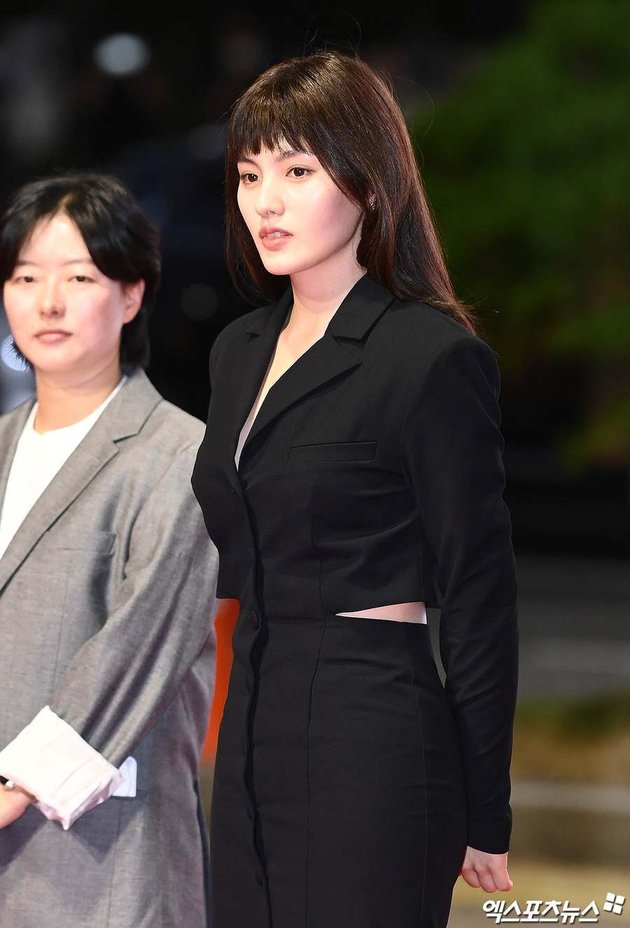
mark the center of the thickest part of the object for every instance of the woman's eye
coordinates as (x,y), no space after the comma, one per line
(299,172)
(247,177)
(82,278)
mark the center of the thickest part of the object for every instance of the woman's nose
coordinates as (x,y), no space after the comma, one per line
(269,201)
(51,299)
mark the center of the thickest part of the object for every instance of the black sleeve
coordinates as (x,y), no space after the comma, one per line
(452,446)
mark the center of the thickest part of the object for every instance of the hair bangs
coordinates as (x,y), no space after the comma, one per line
(337,108)
(261,123)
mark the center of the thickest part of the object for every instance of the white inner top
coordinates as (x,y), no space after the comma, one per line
(38,458)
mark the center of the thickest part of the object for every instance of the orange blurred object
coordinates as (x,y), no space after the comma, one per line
(227,615)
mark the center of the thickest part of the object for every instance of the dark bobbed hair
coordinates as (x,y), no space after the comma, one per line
(121,240)
(338,109)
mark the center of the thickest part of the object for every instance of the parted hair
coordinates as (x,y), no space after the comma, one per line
(340,110)
(120,238)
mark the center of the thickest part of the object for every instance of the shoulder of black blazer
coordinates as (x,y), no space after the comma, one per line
(411,335)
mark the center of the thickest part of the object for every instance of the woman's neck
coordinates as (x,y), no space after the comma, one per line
(315,302)
(62,401)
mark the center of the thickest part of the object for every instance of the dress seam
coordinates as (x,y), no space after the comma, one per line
(424,774)
(310,713)
(308,772)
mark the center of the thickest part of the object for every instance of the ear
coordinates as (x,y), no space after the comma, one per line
(133,295)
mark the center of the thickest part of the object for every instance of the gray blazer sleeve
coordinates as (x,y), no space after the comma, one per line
(123,678)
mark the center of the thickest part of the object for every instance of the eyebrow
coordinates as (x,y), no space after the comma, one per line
(22,262)
(283,155)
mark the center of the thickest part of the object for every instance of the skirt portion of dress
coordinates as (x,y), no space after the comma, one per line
(339,798)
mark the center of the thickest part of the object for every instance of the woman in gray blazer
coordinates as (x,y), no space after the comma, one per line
(107,582)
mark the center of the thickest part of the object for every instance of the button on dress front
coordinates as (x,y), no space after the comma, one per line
(349,779)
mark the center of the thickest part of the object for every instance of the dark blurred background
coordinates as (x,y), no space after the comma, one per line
(520,113)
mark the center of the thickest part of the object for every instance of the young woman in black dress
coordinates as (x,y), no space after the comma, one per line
(351,475)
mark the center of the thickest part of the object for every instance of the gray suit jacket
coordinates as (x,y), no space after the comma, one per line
(106,609)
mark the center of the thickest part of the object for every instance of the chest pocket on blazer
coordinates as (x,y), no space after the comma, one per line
(332,452)
(94,542)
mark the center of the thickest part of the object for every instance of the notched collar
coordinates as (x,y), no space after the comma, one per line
(124,417)
(358,312)
(337,353)
(268,317)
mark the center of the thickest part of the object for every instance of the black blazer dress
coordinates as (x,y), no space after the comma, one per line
(348,779)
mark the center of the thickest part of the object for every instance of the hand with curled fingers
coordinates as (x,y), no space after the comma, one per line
(486,871)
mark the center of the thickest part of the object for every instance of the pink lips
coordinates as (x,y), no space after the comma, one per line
(273,237)
(51,336)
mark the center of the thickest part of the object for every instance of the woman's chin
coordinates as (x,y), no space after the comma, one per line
(280,268)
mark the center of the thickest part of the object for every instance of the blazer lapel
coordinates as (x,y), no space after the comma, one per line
(323,361)
(124,416)
(338,352)
(11,426)
(239,381)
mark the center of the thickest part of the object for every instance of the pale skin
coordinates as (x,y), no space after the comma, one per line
(66,317)
(13,804)
(304,226)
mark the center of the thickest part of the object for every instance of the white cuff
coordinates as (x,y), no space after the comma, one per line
(53,762)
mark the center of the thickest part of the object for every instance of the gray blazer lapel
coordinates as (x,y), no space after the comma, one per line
(124,416)
(11,426)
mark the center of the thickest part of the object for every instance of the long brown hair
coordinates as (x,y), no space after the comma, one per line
(337,108)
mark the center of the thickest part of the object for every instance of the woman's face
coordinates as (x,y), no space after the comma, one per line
(65,315)
(300,221)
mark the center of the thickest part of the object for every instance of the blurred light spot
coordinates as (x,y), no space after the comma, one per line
(199,302)
(122,55)
(9,358)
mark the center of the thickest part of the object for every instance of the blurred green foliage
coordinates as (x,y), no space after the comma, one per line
(527,165)
(580,718)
